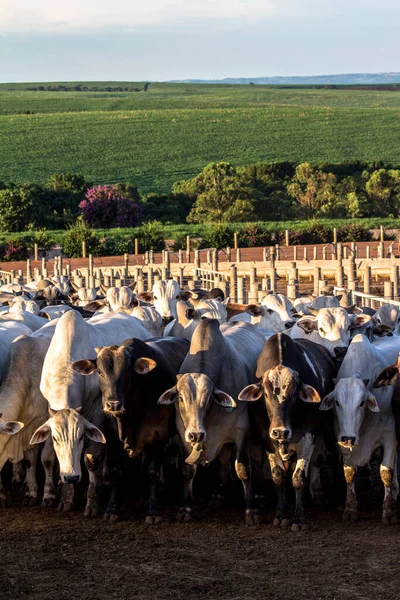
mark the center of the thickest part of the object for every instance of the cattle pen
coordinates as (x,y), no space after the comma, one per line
(45,554)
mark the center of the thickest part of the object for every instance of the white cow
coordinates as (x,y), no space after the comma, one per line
(149,318)
(9,331)
(75,400)
(389,315)
(116,299)
(54,312)
(188,317)
(30,320)
(165,296)
(331,328)
(19,303)
(274,314)
(364,421)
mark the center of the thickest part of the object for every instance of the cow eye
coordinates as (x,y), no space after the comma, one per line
(177,297)
(154,297)
(337,403)
(362,403)
(322,330)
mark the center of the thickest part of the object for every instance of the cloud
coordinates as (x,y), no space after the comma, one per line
(45,15)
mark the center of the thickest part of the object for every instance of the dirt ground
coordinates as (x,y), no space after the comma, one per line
(49,555)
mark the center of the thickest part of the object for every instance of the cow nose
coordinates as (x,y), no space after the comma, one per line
(196,436)
(340,351)
(166,320)
(350,439)
(71,478)
(113,405)
(289,324)
(280,434)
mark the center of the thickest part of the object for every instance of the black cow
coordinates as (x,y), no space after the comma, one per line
(132,378)
(294,376)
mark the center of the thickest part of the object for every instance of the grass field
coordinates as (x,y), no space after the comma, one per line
(174,130)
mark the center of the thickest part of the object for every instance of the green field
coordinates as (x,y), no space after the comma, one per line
(172,131)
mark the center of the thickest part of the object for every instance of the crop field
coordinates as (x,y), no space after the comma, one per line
(172,131)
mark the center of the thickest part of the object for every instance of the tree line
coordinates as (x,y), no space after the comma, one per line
(221,193)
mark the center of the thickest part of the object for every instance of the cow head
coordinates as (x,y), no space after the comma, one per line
(282,389)
(67,428)
(149,318)
(113,365)
(194,394)
(349,400)
(10,427)
(389,315)
(333,327)
(268,318)
(388,376)
(165,295)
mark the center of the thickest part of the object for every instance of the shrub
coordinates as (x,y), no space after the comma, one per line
(151,236)
(353,232)
(76,234)
(255,235)
(42,238)
(106,206)
(218,236)
(317,233)
(22,206)
(116,246)
(15,249)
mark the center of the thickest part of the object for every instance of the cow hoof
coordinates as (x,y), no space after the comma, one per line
(278,522)
(30,500)
(389,520)
(184,515)
(16,487)
(91,511)
(3,503)
(350,516)
(299,527)
(252,517)
(48,502)
(153,520)
(64,506)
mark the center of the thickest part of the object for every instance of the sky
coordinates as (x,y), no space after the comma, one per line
(159,40)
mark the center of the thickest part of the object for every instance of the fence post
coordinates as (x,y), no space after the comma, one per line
(292,288)
(382,234)
(28,270)
(188,248)
(394,277)
(233,283)
(235,240)
(352,274)
(317,277)
(367,279)
(240,290)
(136,246)
(36,252)
(149,278)
(215,260)
(197,264)
(83,249)
(286,237)
(238,255)
(388,290)
(90,264)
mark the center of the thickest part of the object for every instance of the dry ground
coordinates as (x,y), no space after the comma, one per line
(47,555)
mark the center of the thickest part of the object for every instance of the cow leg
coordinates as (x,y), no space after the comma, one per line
(316,490)
(387,471)
(17,476)
(304,454)
(94,464)
(157,454)
(242,468)
(48,461)
(279,479)
(115,460)
(3,497)
(30,458)
(185,512)
(351,510)
(224,458)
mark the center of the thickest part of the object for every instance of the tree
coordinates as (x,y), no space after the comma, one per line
(383,189)
(106,206)
(21,207)
(314,190)
(219,195)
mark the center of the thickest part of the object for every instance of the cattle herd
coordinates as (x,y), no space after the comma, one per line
(96,377)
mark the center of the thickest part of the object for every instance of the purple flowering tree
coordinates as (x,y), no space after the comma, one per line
(106,206)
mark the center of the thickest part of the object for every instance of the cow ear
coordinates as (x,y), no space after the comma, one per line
(386,377)
(144,365)
(309,394)
(95,305)
(307,324)
(225,302)
(251,393)
(223,399)
(359,321)
(372,403)
(381,330)
(11,427)
(93,433)
(41,434)
(145,296)
(327,402)
(168,397)
(185,295)
(253,310)
(85,366)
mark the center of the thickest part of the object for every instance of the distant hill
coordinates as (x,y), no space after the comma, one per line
(344,79)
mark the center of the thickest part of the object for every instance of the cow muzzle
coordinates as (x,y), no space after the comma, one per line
(71,478)
(195,437)
(280,434)
(113,405)
(340,352)
(347,442)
